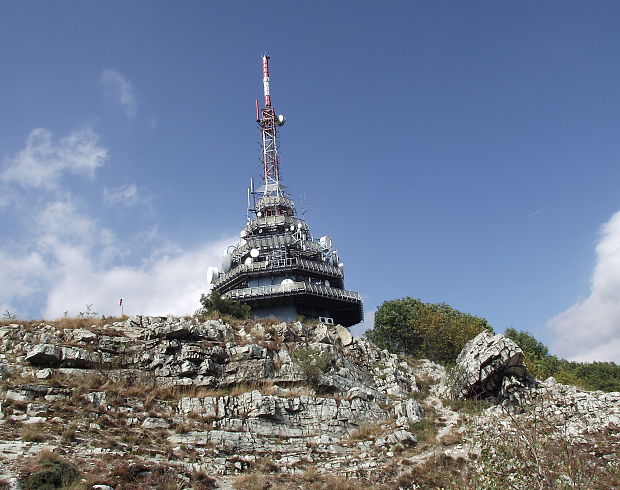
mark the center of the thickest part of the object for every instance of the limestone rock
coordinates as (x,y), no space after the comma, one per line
(344,335)
(45,355)
(155,423)
(490,366)
(408,412)
(44,373)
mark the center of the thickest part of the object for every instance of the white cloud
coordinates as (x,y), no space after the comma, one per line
(64,258)
(117,85)
(590,329)
(125,195)
(21,275)
(170,285)
(42,162)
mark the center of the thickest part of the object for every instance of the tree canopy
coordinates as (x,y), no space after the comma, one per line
(214,303)
(426,330)
(589,375)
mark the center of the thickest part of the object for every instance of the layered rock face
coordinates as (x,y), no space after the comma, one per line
(185,396)
(491,366)
(293,392)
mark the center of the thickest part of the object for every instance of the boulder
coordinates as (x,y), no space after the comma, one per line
(344,335)
(408,412)
(45,355)
(490,366)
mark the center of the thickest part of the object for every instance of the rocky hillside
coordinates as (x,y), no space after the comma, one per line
(155,402)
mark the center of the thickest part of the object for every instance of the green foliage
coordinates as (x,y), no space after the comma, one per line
(214,303)
(53,474)
(593,375)
(434,331)
(312,363)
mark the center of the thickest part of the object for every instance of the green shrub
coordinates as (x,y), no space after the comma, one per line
(312,363)
(54,473)
(214,303)
(603,376)
(424,330)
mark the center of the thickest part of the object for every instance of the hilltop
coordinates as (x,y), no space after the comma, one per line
(164,402)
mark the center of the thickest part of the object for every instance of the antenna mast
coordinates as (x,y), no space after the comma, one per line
(268,123)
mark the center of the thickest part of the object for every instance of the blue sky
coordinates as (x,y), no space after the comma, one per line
(458,152)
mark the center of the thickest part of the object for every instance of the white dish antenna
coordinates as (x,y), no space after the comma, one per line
(287,283)
(249,260)
(326,242)
(327,283)
(212,274)
(242,234)
(226,263)
(254,253)
(231,249)
(280,119)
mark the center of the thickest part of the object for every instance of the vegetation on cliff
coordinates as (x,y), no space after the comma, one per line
(424,330)
(603,376)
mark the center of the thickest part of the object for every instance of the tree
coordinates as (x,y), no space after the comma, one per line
(431,330)
(214,303)
(593,376)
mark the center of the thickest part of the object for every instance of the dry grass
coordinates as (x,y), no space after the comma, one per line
(451,438)
(365,432)
(253,481)
(33,433)
(439,471)
(311,479)
(82,322)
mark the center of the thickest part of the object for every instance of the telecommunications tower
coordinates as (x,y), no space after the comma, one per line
(278,268)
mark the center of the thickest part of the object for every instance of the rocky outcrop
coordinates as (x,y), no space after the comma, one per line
(490,366)
(202,396)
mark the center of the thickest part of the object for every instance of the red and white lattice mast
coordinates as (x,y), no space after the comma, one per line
(268,123)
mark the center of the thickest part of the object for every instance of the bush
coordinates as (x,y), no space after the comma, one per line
(424,330)
(603,376)
(52,472)
(214,303)
(312,363)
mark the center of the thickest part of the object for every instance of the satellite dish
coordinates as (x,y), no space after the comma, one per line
(292,228)
(280,119)
(242,234)
(326,242)
(226,263)
(231,249)
(248,261)
(327,283)
(212,274)
(287,283)
(254,253)
(259,214)
(340,265)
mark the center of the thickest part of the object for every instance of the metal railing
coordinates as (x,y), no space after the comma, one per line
(292,289)
(272,222)
(273,242)
(266,201)
(279,264)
